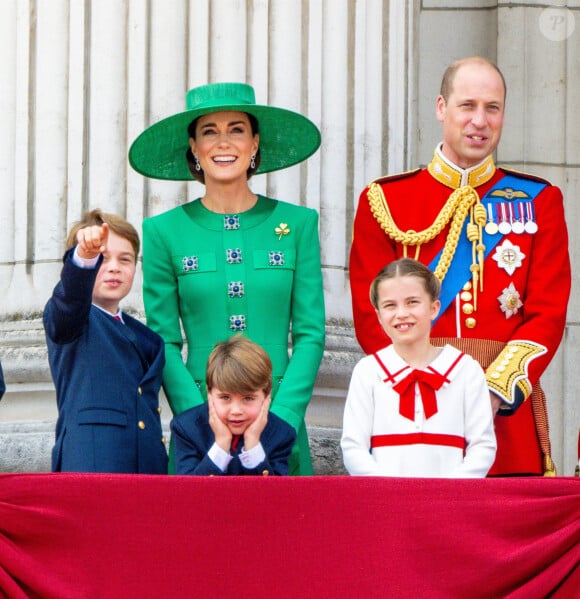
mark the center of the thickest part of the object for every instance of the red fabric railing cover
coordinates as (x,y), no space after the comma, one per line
(87,536)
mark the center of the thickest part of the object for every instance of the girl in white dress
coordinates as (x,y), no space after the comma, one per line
(414,409)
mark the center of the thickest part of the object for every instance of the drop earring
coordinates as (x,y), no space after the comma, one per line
(252,161)
(197,165)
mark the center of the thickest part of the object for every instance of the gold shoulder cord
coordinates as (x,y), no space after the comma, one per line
(462,202)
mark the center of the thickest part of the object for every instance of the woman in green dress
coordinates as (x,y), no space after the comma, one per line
(233,261)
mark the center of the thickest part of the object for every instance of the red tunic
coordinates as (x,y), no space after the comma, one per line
(540,276)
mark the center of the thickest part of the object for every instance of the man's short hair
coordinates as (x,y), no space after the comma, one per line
(450,72)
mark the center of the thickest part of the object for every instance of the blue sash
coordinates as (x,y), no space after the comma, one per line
(459,273)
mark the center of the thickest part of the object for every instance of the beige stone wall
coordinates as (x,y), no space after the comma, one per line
(79,80)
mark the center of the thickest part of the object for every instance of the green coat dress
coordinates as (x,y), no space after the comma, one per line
(258,273)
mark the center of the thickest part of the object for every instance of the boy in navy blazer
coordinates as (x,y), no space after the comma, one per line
(106,366)
(233,432)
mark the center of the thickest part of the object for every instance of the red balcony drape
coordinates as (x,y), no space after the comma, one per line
(84,536)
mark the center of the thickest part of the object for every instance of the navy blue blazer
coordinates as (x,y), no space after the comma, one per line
(107,377)
(193,437)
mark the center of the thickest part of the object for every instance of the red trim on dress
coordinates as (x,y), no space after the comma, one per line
(417,439)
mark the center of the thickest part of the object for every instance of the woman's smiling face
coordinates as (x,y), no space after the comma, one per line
(224,144)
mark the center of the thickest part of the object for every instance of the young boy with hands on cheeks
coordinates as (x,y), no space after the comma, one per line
(234,433)
(106,365)
(414,409)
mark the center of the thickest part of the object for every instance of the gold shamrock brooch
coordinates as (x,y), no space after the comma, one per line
(282,229)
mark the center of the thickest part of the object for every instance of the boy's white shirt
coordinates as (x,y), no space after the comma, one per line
(249,459)
(84,262)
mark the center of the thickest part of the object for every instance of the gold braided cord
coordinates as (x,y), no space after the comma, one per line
(456,209)
(382,213)
(467,197)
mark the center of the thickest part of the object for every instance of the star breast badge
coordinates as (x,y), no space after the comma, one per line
(509,301)
(508,256)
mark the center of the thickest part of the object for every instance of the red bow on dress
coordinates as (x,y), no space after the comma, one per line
(429,382)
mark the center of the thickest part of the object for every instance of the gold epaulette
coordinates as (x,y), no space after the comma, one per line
(521,175)
(396,177)
(509,371)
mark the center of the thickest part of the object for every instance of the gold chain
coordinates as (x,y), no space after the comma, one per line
(456,209)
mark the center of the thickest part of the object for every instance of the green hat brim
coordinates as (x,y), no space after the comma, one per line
(286,138)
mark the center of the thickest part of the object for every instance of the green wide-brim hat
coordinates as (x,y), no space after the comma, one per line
(286,137)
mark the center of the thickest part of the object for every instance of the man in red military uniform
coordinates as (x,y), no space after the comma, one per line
(498,241)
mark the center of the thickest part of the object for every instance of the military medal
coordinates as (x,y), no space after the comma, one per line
(504,226)
(531,226)
(491,225)
(517,219)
